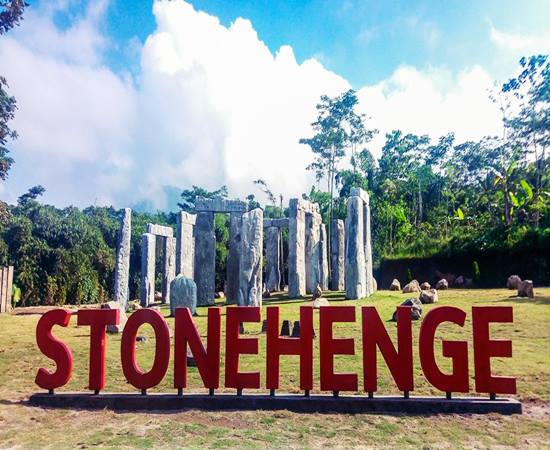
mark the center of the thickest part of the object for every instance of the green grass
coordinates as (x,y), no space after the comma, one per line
(22,425)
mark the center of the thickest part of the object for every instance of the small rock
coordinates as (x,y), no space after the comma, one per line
(241,328)
(525,289)
(428,296)
(425,286)
(412,287)
(395,285)
(141,338)
(318,302)
(416,309)
(442,285)
(264,326)
(285,328)
(158,296)
(513,282)
(266,293)
(219,294)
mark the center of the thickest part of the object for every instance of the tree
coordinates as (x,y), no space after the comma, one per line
(32,194)
(11,14)
(337,128)
(190,195)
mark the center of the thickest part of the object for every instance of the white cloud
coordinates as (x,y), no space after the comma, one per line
(432,102)
(520,44)
(211,106)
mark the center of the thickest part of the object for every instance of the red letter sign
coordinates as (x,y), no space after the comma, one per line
(302,346)
(235,346)
(97,319)
(457,350)
(130,368)
(399,362)
(207,360)
(485,348)
(329,347)
(54,349)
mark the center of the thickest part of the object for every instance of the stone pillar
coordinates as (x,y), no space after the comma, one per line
(367,242)
(233,255)
(205,258)
(169,266)
(273,258)
(185,244)
(368,247)
(355,275)
(337,255)
(122,262)
(250,261)
(323,258)
(148,248)
(296,250)
(312,232)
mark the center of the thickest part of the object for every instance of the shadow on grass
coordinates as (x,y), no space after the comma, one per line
(538,300)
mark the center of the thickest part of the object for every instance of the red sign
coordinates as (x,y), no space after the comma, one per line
(375,339)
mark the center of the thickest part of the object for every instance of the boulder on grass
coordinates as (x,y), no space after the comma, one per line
(442,284)
(459,282)
(318,302)
(395,285)
(416,309)
(513,282)
(183,294)
(468,283)
(122,317)
(411,287)
(428,296)
(525,289)
(424,286)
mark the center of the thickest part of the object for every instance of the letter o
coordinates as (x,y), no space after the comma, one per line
(131,371)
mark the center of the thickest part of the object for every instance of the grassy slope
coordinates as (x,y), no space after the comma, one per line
(23,425)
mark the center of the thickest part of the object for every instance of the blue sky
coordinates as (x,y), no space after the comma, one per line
(121,102)
(365,41)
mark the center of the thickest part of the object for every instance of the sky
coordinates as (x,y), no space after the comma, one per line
(126,103)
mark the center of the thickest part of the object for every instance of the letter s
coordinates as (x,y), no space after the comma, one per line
(54,349)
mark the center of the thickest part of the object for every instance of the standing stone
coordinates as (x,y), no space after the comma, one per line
(183,294)
(323,258)
(250,280)
(313,254)
(296,250)
(148,247)
(513,282)
(337,255)
(355,275)
(367,242)
(169,264)
(525,289)
(185,244)
(122,263)
(205,258)
(368,246)
(232,271)
(272,258)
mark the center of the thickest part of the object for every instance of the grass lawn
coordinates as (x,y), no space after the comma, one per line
(25,426)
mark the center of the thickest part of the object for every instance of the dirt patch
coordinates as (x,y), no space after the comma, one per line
(536,409)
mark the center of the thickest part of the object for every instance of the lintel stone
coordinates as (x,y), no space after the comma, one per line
(160,230)
(219,205)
